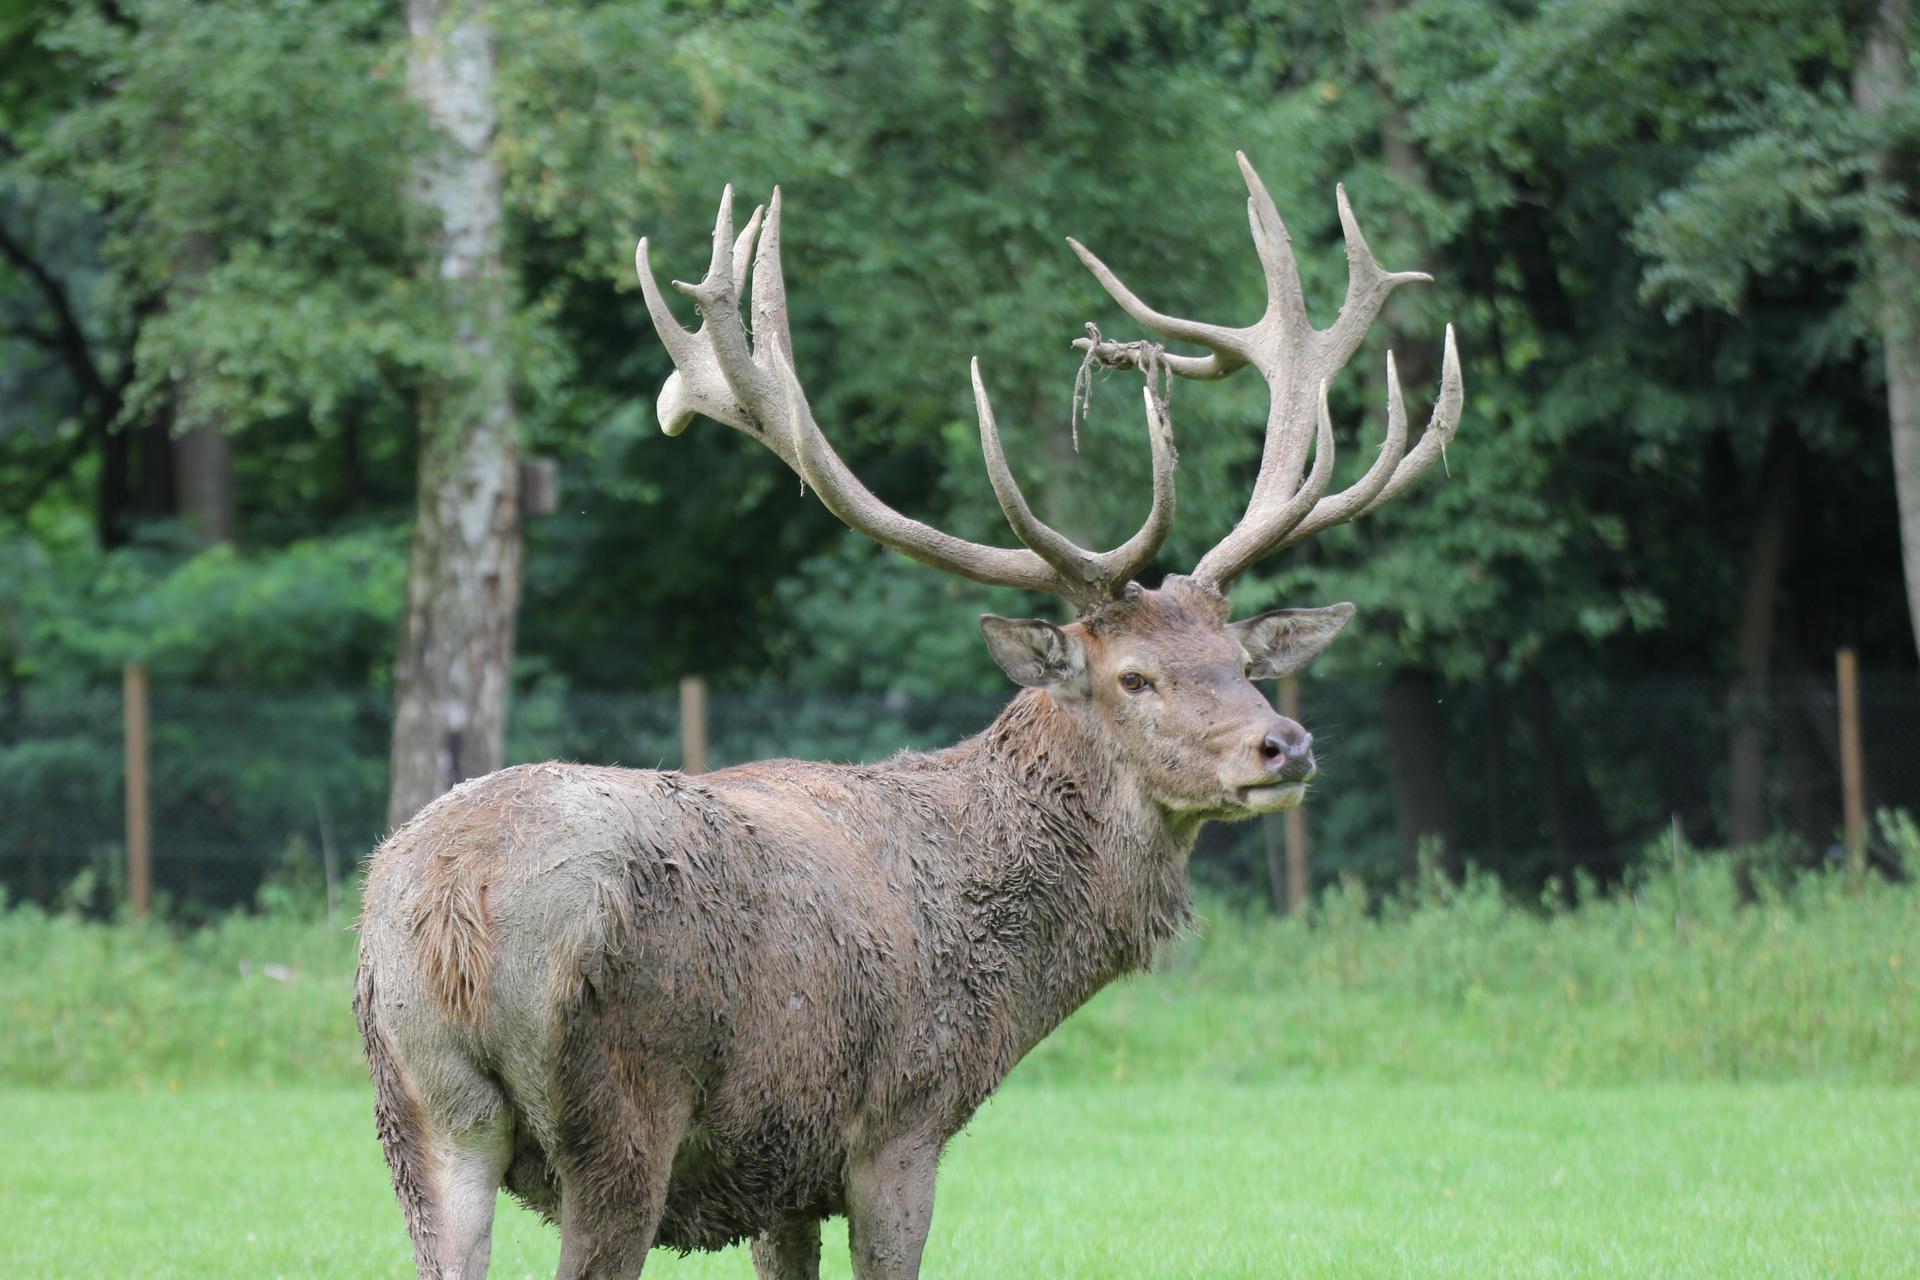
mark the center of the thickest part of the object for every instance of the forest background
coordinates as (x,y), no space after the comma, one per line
(1678,242)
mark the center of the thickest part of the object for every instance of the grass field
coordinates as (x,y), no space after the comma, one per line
(1337,1180)
(1650,1082)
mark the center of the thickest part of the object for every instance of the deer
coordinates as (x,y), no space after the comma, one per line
(684,1012)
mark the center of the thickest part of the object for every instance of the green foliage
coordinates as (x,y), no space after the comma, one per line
(247,168)
(318,611)
(1644,219)
(1668,979)
(1584,177)
(978,136)
(850,620)
(1765,203)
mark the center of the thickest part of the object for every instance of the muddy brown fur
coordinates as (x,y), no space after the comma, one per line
(680,1012)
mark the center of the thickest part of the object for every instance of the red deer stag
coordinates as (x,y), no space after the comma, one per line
(683,1012)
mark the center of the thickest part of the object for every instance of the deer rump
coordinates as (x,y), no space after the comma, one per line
(769,961)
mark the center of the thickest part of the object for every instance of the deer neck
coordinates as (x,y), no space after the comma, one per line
(1075,876)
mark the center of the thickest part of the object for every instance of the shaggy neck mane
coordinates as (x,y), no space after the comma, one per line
(1072,877)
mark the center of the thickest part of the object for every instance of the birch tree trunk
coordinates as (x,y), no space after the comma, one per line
(1881,77)
(463,579)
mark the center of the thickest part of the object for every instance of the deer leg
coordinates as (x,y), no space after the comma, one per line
(447,1131)
(471,1167)
(791,1251)
(890,1207)
(608,1218)
(614,1170)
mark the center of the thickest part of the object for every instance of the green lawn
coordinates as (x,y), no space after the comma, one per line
(1151,1179)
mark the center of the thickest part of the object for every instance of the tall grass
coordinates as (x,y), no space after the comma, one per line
(1667,977)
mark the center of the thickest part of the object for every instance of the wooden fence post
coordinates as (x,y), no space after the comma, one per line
(133,693)
(1853,785)
(1296,818)
(329,864)
(693,725)
(1276,865)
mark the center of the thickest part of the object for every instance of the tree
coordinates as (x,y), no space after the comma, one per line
(1883,89)
(204,308)
(1598,170)
(451,673)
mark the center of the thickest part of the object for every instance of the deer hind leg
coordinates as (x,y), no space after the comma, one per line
(470,1163)
(791,1251)
(619,1131)
(447,1133)
(446,1172)
(611,1198)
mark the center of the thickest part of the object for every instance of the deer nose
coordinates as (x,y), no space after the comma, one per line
(1287,752)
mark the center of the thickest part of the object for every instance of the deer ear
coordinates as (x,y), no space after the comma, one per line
(1282,642)
(1036,654)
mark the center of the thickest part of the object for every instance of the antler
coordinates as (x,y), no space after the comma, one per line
(1297,361)
(753,388)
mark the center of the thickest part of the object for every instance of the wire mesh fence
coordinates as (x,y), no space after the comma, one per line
(250,789)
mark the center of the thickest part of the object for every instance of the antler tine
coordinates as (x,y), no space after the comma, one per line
(770,331)
(1270,516)
(743,250)
(1071,561)
(680,344)
(1096,573)
(1350,502)
(1230,348)
(695,386)
(1225,344)
(1368,285)
(718,296)
(1439,432)
(1133,555)
(1286,301)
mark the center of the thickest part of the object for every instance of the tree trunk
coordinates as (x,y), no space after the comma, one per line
(202,453)
(1753,648)
(152,496)
(463,579)
(1576,820)
(112,484)
(1880,79)
(1417,764)
(1753,651)
(203,481)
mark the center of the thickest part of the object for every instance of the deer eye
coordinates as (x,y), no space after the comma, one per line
(1133,681)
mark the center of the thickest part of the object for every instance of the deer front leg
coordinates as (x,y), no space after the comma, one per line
(890,1206)
(791,1251)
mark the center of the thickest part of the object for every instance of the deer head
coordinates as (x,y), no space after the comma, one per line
(1162,674)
